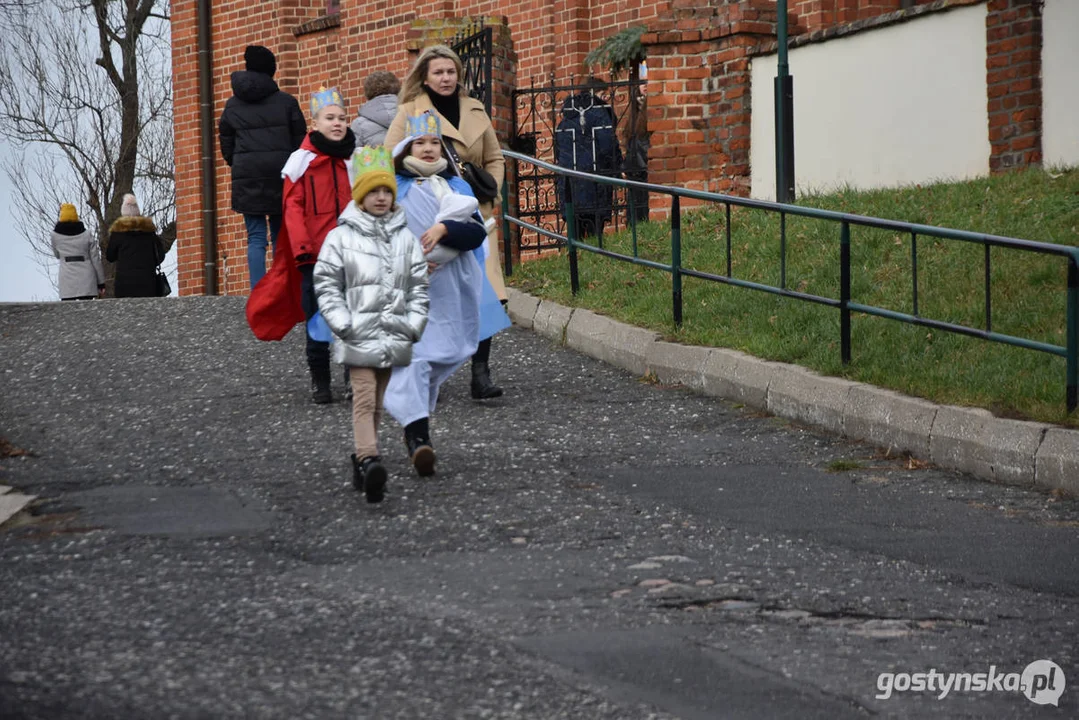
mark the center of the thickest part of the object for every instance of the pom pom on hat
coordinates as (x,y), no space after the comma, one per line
(373,167)
(259,59)
(68,213)
(130,208)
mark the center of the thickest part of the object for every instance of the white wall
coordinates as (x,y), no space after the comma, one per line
(898,105)
(1060,82)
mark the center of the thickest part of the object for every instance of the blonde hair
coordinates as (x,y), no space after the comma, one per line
(413,84)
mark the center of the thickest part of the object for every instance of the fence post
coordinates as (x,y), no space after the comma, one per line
(844,292)
(1073,333)
(571,239)
(676,259)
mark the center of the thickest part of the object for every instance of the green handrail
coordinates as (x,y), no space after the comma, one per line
(1070,351)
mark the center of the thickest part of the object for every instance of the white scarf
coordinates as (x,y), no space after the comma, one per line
(423,168)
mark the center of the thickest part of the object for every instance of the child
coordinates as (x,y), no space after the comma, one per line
(371,283)
(317,190)
(443,213)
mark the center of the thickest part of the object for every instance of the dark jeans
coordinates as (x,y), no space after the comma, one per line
(256,243)
(318,353)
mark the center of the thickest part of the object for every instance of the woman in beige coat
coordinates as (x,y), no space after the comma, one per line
(434,84)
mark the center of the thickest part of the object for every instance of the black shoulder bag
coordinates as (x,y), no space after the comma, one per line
(482,182)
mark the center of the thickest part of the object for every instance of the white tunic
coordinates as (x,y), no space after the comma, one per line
(453,321)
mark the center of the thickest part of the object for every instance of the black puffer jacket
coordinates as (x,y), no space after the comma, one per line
(136,249)
(259,129)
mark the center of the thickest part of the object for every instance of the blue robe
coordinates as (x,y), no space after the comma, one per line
(453,321)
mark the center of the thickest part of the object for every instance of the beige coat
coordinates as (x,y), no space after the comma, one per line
(477,143)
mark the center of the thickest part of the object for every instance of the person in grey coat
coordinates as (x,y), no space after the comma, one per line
(81,274)
(380,88)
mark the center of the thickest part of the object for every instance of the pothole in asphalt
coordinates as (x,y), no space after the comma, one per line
(863,624)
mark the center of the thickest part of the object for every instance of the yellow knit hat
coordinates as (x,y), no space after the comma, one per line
(68,213)
(373,167)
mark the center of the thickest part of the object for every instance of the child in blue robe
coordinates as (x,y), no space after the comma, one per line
(442,212)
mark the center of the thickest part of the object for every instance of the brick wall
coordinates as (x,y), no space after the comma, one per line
(699,55)
(698,92)
(1013,81)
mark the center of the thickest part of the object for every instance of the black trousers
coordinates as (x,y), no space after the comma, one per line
(318,353)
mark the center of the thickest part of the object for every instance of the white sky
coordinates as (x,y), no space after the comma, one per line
(22,279)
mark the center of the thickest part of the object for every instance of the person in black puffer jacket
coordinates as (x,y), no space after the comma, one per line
(136,249)
(259,128)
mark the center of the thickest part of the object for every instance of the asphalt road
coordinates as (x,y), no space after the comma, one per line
(592,546)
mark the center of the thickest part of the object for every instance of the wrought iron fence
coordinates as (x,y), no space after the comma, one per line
(475,47)
(594,125)
(566,234)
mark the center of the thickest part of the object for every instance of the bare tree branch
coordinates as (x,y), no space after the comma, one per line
(86,97)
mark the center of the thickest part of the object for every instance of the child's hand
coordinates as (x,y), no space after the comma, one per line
(431,267)
(432,235)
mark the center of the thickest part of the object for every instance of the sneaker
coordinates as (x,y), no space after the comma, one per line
(374,479)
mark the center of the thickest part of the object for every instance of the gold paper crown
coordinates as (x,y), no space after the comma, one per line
(325,97)
(425,123)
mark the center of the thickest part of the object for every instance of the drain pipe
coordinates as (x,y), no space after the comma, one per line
(206,158)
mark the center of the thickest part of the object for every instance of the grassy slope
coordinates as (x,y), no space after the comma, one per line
(1028,291)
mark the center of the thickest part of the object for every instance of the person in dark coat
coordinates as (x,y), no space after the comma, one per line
(585,140)
(135,248)
(259,128)
(638,141)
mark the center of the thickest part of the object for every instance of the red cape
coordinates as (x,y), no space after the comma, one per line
(274,308)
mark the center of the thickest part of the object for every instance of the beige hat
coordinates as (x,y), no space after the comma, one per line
(130,208)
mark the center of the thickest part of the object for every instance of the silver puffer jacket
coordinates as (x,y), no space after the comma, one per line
(371,283)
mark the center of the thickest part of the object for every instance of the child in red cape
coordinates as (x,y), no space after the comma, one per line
(317,190)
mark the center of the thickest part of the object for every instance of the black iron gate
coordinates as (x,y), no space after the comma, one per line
(474,46)
(597,127)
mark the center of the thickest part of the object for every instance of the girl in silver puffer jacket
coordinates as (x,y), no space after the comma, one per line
(371,284)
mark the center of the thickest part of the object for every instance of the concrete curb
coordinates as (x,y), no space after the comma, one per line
(621,345)
(899,423)
(739,377)
(972,440)
(1057,463)
(969,440)
(550,320)
(809,398)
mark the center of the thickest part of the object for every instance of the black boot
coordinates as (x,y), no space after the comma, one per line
(482,387)
(420,452)
(357,475)
(320,389)
(374,479)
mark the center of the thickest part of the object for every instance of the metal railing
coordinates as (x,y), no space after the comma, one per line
(846,306)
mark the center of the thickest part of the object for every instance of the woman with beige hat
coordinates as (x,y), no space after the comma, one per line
(135,247)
